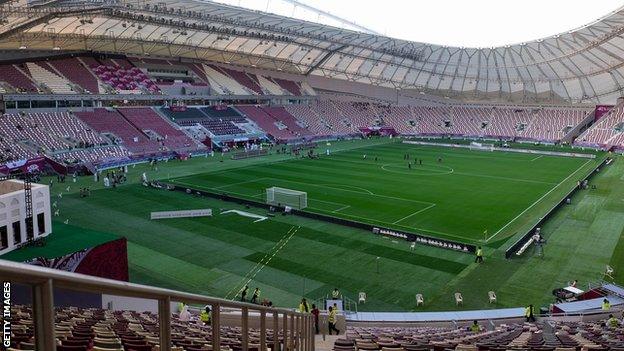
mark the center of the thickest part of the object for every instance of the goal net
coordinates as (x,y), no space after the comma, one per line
(286,197)
(481,147)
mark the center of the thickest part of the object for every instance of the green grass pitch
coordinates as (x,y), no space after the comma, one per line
(289,256)
(459,194)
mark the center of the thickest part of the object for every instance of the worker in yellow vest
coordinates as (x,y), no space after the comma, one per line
(331,321)
(475,327)
(529,313)
(479,255)
(606,305)
(612,322)
(303,306)
(205,315)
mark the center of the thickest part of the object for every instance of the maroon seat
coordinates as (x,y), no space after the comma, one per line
(83,342)
(131,347)
(70,348)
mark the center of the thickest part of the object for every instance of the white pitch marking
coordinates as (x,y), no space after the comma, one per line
(208,188)
(353,191)
(342,208)
(351,186)
(536,202)
(504,178)
(537,158)
(239,183)
(266,259)
(415,213)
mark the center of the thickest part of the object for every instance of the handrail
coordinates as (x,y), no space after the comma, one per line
(44,280)
(24,273)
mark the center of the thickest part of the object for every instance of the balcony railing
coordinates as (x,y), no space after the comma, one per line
(297,328)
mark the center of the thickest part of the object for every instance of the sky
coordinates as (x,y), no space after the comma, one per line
(465,23)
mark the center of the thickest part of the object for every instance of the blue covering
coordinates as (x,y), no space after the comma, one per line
(435,316)
(614,289)
(584,305)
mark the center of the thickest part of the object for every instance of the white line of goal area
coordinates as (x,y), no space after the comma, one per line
(537,158)
(351,191)
(537,201)
(197,186)
(344,208)
(413,214)
(238,183)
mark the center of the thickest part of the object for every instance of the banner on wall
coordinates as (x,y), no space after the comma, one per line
(109,260)
(32,165)
(384,131)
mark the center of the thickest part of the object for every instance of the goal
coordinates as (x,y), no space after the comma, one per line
(481,147)
(286,197)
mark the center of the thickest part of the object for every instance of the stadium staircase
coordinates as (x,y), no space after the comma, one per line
(145,119)
(602,133)
(56,83)
(17,79)
(270,86)
(228,85)
(77,72)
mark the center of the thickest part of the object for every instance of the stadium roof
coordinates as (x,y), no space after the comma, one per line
(583,65)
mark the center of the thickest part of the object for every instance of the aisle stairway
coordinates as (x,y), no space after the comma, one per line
(56,84)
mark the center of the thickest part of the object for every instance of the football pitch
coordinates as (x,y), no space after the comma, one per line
(291,256)
(459,194)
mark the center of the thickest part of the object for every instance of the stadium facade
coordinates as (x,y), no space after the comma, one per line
(92,87)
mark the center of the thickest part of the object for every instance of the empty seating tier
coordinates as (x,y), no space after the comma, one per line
(169,136)
(111,122)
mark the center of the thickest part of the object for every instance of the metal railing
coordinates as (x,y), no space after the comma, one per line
(348,304)
(297,328)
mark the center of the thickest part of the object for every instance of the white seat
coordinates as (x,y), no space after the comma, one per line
(362,297)
(420,301)
(492,296)
(609,272)
(459,299)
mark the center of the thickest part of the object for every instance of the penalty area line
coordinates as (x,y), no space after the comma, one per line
(537,201)
(415,213)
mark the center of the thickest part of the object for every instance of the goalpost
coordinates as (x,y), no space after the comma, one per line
(481,147)
(286,197)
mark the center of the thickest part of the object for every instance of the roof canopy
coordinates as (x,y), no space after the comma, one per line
(581,66)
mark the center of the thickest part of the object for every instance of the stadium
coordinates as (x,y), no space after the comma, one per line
(199,175)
